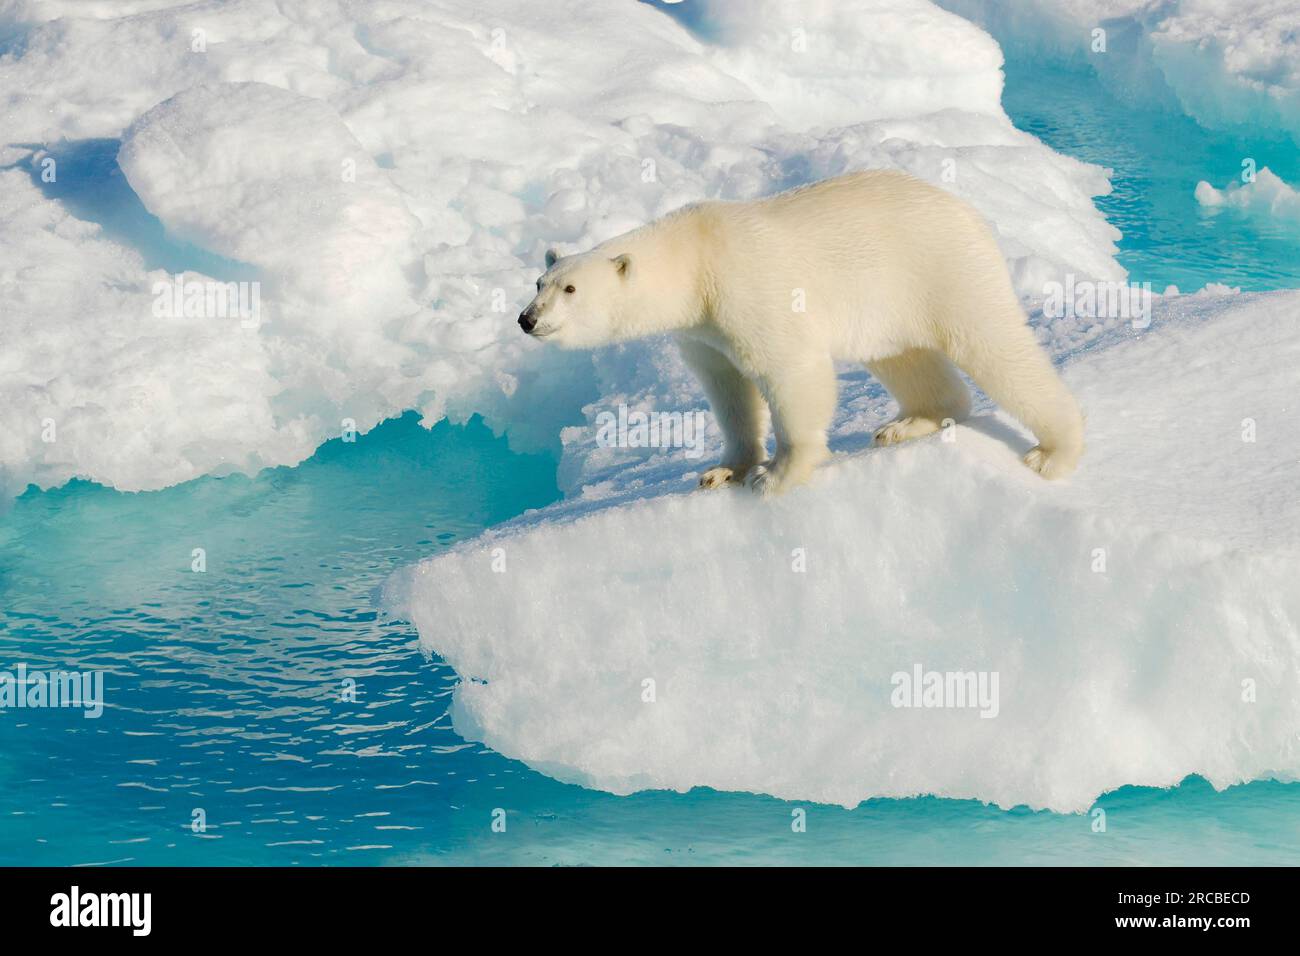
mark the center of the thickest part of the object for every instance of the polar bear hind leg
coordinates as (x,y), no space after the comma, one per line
(928,390)
(1003,357)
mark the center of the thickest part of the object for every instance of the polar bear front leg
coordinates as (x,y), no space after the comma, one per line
(802,399)
(738,408)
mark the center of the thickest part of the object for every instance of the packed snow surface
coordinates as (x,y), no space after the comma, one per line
(1142,619)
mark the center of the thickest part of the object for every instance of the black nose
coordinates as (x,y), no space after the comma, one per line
(527,322)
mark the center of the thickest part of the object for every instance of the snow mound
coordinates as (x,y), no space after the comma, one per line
(1141,622)
(811,63)
(391,174)
(93,384)
(321,217)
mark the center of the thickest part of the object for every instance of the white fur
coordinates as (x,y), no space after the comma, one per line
(890,271)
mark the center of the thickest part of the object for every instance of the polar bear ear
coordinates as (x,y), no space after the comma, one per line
(624,264)
(552,257)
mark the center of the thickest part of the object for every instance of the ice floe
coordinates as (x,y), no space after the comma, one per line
(1142,619)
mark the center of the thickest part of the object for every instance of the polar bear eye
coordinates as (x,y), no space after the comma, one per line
(570,289)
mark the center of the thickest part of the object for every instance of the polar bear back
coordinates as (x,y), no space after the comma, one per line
(861,261)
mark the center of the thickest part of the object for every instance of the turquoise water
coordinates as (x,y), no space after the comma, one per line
(225,687)
(1157,159)
(223,694)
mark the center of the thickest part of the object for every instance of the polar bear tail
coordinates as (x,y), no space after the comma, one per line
(1003,357)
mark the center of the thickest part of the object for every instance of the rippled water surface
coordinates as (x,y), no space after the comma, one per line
(1157,158)
(227,688)
(225,694)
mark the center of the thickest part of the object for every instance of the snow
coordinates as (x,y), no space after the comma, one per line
(472,137)
(809,61)
(83,355)
(212,164)
(1121,612)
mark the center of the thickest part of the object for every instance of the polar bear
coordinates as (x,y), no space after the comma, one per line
(763,297)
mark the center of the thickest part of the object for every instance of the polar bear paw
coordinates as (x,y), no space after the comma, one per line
(763,481)
(717,477)
(1051,464)
(904,429)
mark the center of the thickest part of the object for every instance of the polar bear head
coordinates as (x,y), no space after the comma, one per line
(579,299)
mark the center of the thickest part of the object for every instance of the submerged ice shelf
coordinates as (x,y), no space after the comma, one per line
(1225,63)
(1143,619)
